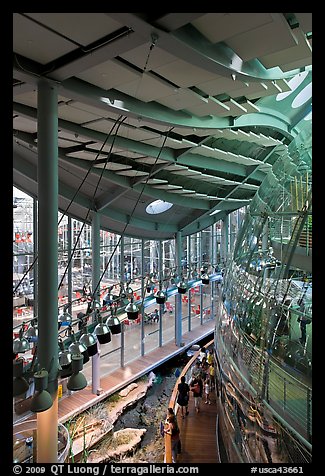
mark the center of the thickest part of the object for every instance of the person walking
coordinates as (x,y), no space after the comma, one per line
(207,391)
(183,396)
(197,390)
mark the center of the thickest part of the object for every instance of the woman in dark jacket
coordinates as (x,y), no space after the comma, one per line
(183,396)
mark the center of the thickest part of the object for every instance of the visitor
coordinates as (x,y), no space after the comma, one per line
(207,391)
(183,396)
(173,430)
(197,390)
(202,353)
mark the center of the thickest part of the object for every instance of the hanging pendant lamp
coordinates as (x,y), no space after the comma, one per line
(102,332)
(132,310)
(42,399)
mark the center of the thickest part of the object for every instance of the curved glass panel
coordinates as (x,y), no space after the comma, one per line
(264,342)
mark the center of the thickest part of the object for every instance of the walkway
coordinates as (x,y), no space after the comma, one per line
(198,433)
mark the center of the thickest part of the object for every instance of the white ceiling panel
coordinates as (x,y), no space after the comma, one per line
(250,107)
(218,85)
(289,55)
(71,136)
(132,173)
(82,154)
(305,21)
(72,114)
(113,166)
(248,88)
(94,110)
(182,99)
(157,57)
(147,88)
(37,43)
(25,124)
(81,28)
(236,109)
(102,125)
(152,181)
(229,24)
(263,40)
(110,74)
(183,74)
(66,143)
(212,107)
(151,160)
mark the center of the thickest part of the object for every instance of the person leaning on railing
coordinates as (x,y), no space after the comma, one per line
(171,428)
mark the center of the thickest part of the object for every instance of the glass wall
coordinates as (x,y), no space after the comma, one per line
(264,324)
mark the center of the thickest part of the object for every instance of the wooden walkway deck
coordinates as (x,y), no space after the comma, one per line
(77,402)
(198,433)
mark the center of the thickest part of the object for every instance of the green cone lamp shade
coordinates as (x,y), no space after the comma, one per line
(114,324)
(205,278)
(182,287)
(42,400)
(103,333)
(20,384)
(64,361)
(78,348)
(77,381)
(160,297)
(90,341)
(132,310)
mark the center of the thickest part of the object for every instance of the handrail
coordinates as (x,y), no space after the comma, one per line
(173,401)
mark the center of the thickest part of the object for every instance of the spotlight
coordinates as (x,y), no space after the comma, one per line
(64,360)
(114,324)
(20,384)
(182,287)
(77,381)
(160,297)
(102,332)
(90,341)
(205,278)
(132,310)
(77,348)
(42,400)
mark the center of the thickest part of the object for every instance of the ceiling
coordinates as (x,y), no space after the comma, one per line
(178,107)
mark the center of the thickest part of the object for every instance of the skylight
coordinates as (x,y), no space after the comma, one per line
(158,206)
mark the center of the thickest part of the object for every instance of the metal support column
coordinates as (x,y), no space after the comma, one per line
(161,306)
(47,349)
(178,313)
(190,277)
(95,246)
(70,264)
(143,293)
(35,252)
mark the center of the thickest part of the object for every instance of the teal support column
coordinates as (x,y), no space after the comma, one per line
(122,259)
(69,246)
(224,238)
(161,306)
(143,293)
(35,252)
(178,313)
(47,349)
(190,277)
(95,247)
